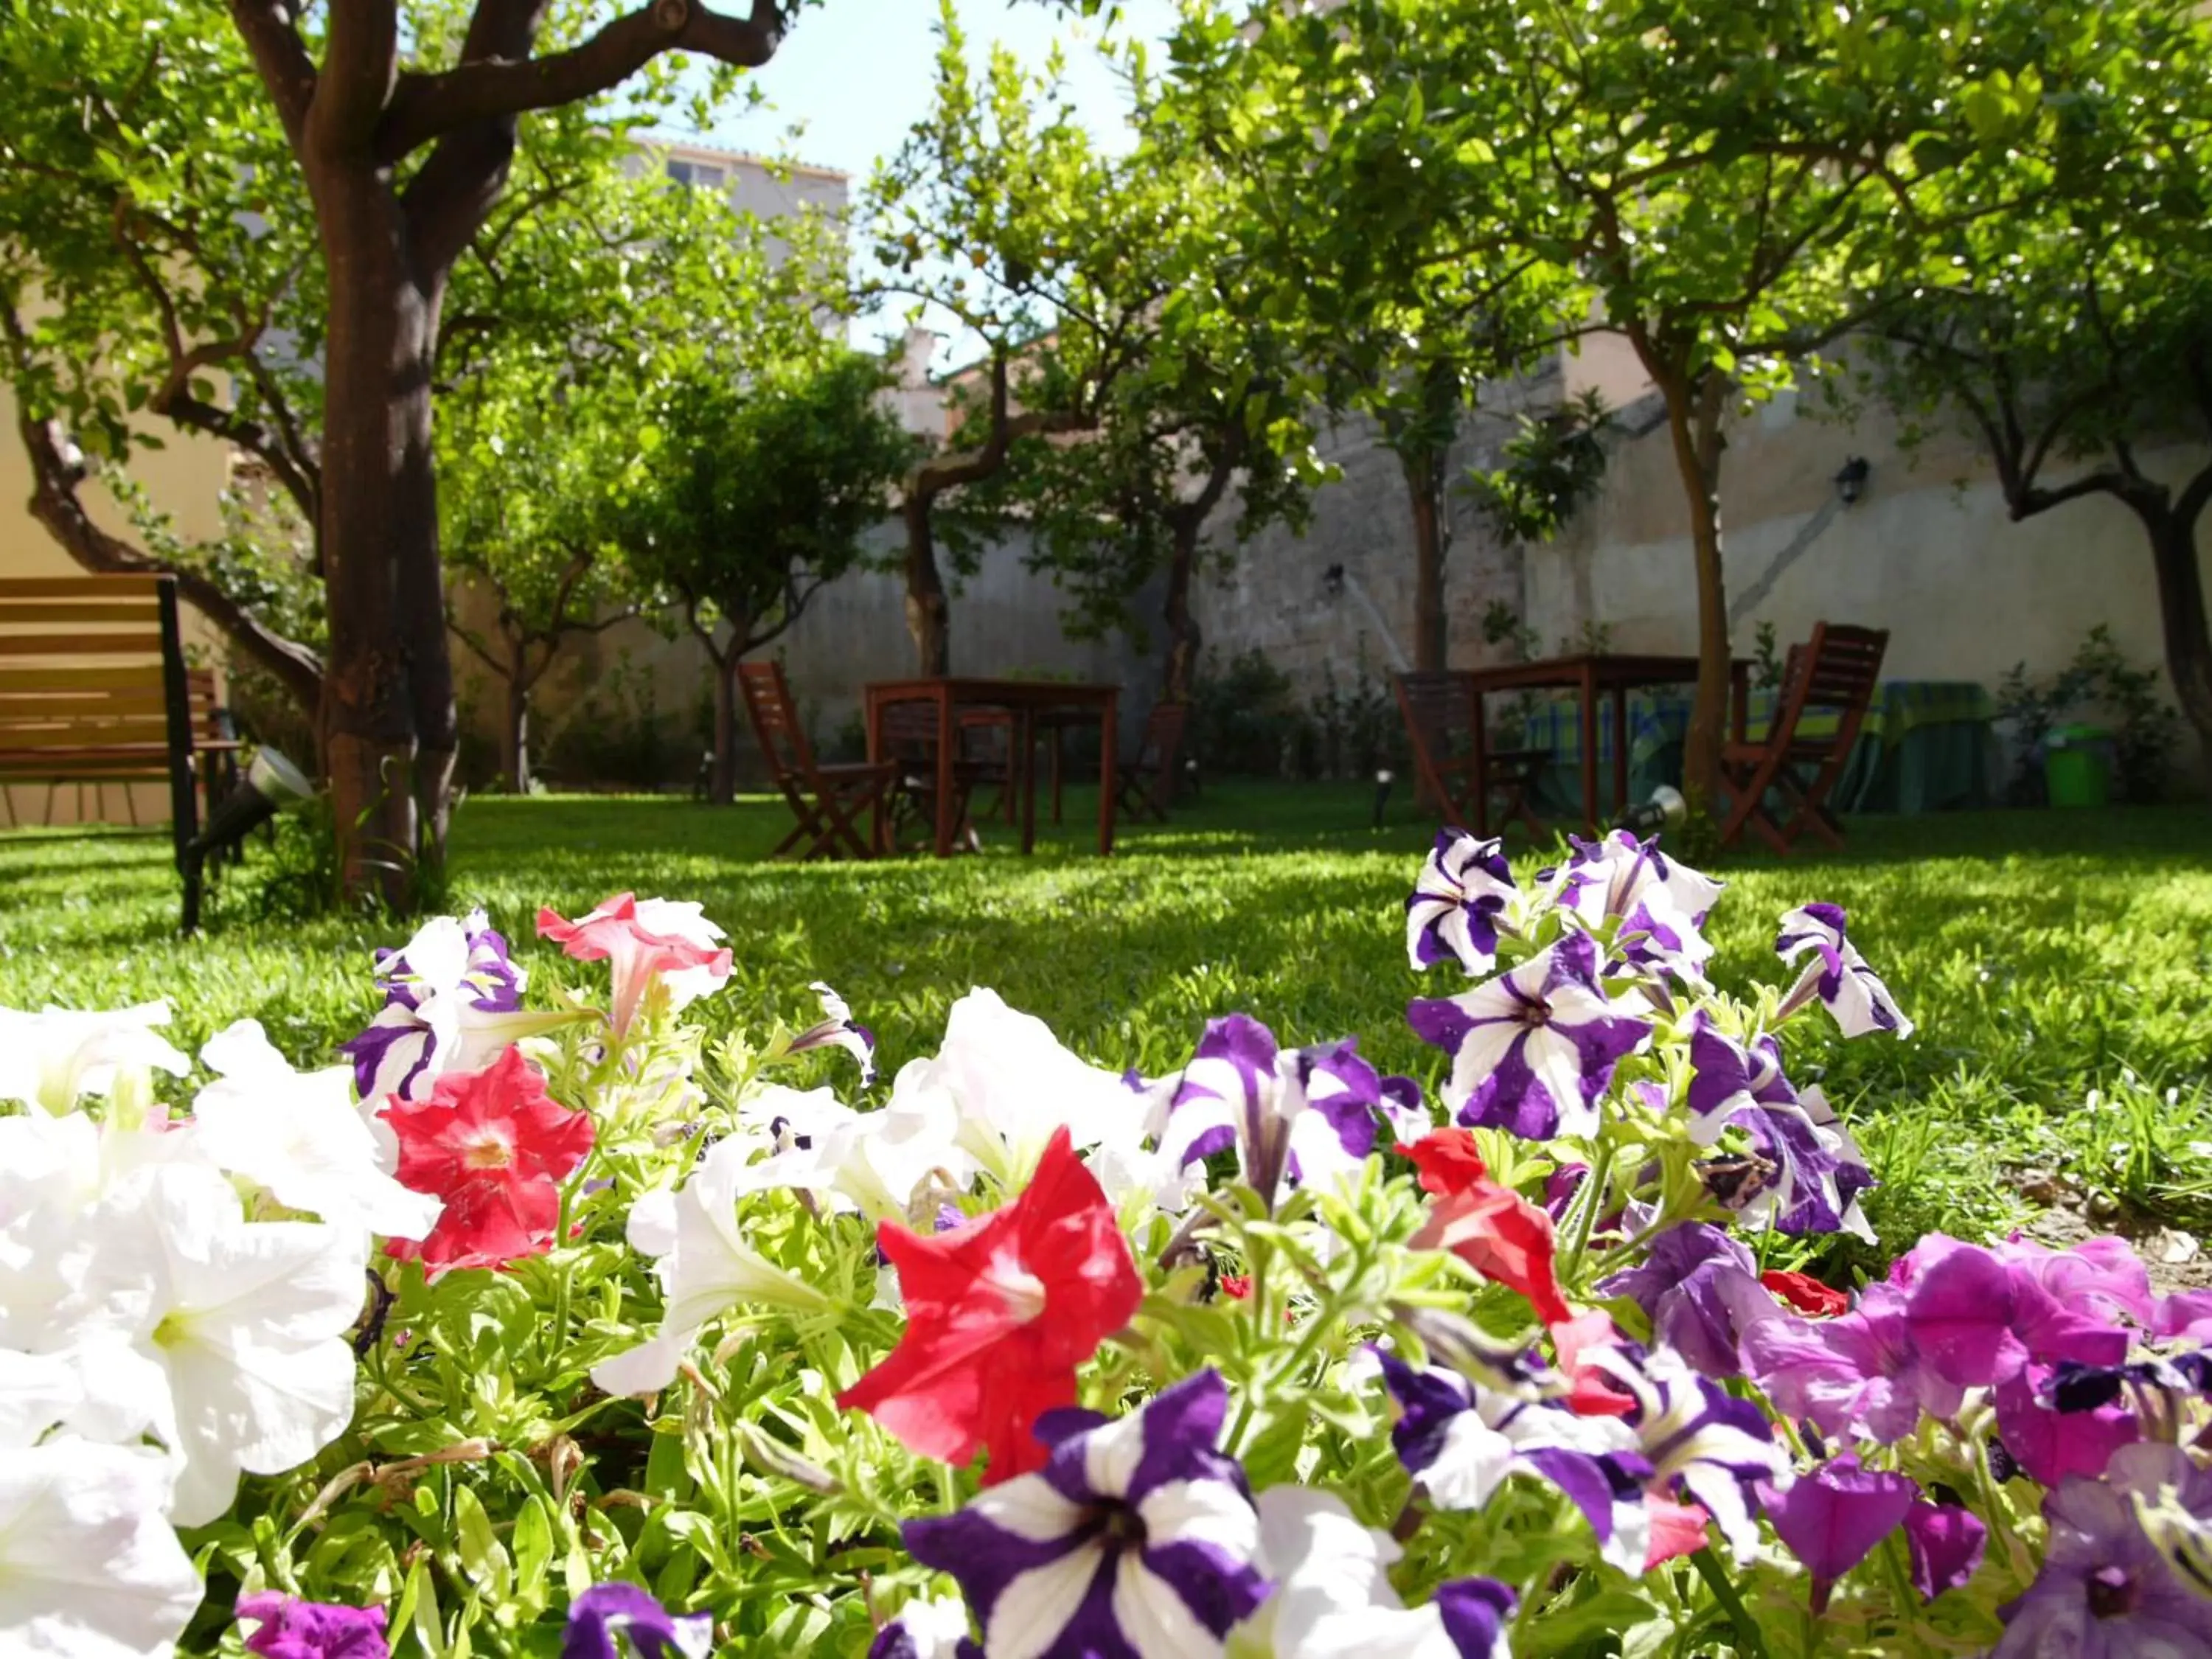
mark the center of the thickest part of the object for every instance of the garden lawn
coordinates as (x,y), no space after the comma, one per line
(2057,964)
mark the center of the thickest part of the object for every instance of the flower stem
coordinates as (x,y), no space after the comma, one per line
(1748,1641)
(1588,1205)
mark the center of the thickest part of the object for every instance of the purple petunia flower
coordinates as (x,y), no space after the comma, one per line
(1138,1539)
(1702,1442)
(933,1629)
(1697,1287)
(2107,1590)
(1460,1441)
(1659,904)
(1833,1518)
(1836,974)
(606,1612)
(2051,1444)
(1533,1049)
(1305,1114)
(289,1628)
(837,1029)
(452,1001)
(1451,915)
(1818,1175)
(1946,1542)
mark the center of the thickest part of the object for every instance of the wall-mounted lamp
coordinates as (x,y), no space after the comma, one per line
(1851,483)
(1332,582)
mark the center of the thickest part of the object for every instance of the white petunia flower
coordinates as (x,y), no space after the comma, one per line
(49,1059)
(298,1134)
(90,1567)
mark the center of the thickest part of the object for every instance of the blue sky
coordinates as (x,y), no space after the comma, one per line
(854,75)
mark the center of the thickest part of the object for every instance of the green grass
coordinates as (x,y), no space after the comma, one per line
(2045,955)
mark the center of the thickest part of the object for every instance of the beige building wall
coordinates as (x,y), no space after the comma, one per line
(1927,552)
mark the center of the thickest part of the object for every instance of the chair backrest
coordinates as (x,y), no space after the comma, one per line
(776,723)
(1438,709)
(93,684)
(909,731)
(1838,668)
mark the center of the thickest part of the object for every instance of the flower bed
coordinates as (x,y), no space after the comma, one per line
(576,1328)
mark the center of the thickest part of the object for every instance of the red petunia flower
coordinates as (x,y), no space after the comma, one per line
(640,943)
(1447,1161)
(1491,1227)
(1676,1529)
(1000,1313)
(1236,1287)
(1805,1293)
(1593,1391)
(495,1147)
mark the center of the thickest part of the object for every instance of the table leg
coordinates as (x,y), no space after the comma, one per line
(1589,749)
(1109,759)
(1620,749)
(1024,736)
(1057,729)
(944,740)
(1478,783)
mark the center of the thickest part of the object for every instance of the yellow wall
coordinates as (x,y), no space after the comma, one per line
(186,479)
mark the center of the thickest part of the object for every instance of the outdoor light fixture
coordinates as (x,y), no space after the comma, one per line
(1851,483)
(1666,810)
(1383,782)
(1332,582)
(271,785)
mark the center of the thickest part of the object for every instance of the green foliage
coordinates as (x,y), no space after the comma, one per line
(1245,720)
(2100,680)
(749,495)
(1553,465)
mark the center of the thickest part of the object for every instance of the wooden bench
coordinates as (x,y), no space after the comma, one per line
(94,689)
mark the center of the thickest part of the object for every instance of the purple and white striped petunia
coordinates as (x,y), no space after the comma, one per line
(1659,904)
(837,1029)
(1836,974)
(1307,1114)
(936,1628)
(1702,1441)
(1334,1599)
(1137,1540)
(1533,1049)
(1817,1180)
(1451,915)
(1461,1441)
(452,1002)
(610,1620)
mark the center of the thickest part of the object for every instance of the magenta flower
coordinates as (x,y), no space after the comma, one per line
(2052,1445)
(1696,1286)
(1946,1541)
(1833,1518)
(607,1612)
(1863,1373)
(289,1628)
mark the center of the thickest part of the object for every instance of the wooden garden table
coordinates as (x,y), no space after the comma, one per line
(1025,700)
(1590,675)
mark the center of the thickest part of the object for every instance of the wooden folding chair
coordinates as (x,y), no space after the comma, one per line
(1439,712)
(1148,783)
(826,800)
(1837,669)
(909,737)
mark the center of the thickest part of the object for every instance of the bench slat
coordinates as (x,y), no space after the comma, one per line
(80,587)
(123,677)
(134,612)
(70,646)
(84,734)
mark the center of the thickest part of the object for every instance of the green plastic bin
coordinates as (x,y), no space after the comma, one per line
(2077,766)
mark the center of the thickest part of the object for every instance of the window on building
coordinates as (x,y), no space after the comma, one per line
(696,173)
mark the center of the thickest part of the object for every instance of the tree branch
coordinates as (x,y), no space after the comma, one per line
(360,55)
(425,107)
(280,59)
(56,504)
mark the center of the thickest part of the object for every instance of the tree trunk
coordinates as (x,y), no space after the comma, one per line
(2182,619)
(1432,630)
(1183,637)
(1693,422)
(928,617)
(722,782)
(514,731)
